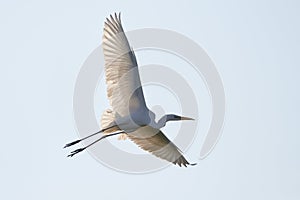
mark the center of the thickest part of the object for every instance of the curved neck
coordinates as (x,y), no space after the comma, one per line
(162,121)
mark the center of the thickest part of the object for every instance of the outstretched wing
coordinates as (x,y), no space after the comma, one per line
(122,77)
(155,142)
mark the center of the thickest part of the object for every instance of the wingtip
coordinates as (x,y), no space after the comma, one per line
(114,17)
(185,164)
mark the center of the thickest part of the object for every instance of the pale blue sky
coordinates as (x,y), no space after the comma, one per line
(255,46)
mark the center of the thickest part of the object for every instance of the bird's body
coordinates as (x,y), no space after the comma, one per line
(130,116)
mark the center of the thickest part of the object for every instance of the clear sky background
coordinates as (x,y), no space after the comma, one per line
(255,46)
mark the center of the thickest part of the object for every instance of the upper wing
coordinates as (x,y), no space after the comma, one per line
(122,77)
(154,141)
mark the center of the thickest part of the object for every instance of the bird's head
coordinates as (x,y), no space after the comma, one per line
(172,117)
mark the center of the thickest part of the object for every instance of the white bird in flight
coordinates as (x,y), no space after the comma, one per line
(130,116)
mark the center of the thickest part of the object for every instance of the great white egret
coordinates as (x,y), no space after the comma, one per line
(130,116)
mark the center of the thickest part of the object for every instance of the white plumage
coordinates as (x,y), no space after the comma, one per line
(130,116)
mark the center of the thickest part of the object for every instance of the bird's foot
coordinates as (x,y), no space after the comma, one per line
(75,152)
(71,143)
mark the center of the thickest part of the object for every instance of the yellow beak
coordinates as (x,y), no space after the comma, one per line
(187,118)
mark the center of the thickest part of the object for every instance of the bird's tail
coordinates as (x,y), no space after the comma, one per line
(108,120)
